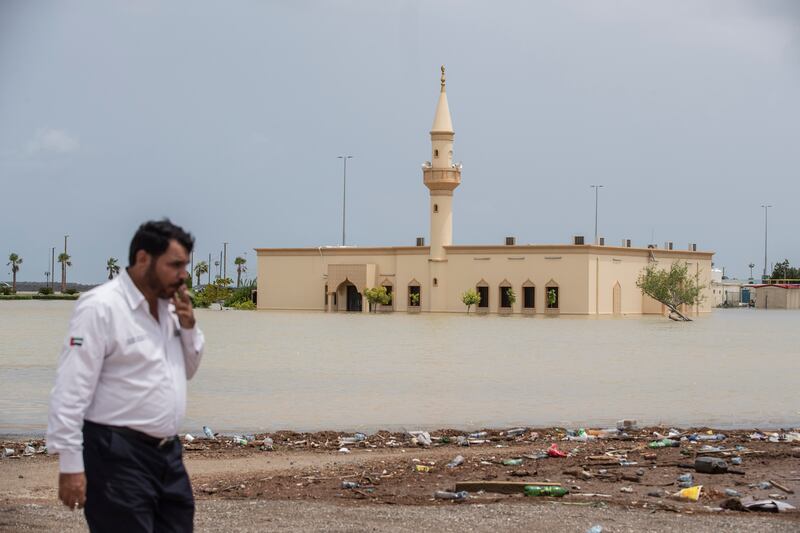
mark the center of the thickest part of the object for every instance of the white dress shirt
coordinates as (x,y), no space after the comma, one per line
(120,367)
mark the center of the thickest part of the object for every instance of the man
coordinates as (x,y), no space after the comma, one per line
(120,391)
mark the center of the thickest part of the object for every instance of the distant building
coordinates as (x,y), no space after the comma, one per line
(549,279)
(782,296)
(727,292)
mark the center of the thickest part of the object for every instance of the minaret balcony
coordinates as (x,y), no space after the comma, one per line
(441,179)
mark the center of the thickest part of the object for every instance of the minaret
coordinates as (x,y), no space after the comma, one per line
(441,176)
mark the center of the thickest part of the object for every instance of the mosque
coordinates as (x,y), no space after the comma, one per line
(576,278)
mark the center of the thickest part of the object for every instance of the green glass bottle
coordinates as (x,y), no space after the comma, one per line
(537,490)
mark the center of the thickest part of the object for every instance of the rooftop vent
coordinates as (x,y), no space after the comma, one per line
(577,239)
(602,241)
(626,243)
(511,241)
(692,246)
(420,241)
(668,245)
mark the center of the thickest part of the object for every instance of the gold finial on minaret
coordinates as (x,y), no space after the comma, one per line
(442,78)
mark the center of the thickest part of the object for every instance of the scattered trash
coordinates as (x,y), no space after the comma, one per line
(625,462)
(595,529)
(268,444)
(208,433)
(709,449)
(421,438)
(423,468)
(553,451)
(769,506)
(8,452)
(736,460)
(656,493)
(445,495)
(516,432)
(188,437)
(712,465)
(462,440)
(699,438)
(626,490)
(626,424)
(512,462)
(691,493)
(538,490)
(457,460)
(783,488)
(685,481)
(241,441)
(763,485)
(344,450)
(29,450)
(360,437)
(350,485)
(478,435)
(732,493)
(664,443)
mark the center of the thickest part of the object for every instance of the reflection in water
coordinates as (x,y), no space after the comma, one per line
(310,371)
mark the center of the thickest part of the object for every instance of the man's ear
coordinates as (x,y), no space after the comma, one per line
(143,258)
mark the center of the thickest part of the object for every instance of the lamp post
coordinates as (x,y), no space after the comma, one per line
(596,191)
(766,210)
(344,159)
(225,260)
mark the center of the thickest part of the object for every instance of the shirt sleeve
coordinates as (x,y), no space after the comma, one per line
(193,342)
(79,366)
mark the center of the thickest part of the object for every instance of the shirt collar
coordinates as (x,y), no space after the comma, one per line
(132,292)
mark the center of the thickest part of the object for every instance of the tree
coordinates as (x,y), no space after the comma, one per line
(552,298)
(673,287)
(470,298)
(112,267)
(783,270)
(65,260)
(511,295)
(14,261)
(414,297)
(200,269)
(377,295)
(240,268)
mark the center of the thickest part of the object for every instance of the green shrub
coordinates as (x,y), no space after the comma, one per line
(245,306)
(45,290)
(71,291)
(241,294)
(5,291)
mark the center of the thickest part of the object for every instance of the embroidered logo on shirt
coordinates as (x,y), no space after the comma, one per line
(76,341)
(137,338)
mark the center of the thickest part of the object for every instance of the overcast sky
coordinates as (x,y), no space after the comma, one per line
(228,117)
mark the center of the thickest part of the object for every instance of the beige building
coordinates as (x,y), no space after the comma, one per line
(574,278)
(782,296)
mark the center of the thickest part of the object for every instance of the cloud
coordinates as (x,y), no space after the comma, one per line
(51,140)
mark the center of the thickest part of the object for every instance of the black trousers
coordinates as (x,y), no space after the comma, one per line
(133,485)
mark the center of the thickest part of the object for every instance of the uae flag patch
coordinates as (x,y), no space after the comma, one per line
(76,341)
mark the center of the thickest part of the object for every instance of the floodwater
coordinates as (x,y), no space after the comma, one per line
(312,371)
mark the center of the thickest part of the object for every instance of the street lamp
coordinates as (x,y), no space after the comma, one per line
(344,159)
(596,191)
(766,210)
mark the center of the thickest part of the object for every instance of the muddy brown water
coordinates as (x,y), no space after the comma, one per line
(311,371)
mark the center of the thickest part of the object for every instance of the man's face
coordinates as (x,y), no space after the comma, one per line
(167,273)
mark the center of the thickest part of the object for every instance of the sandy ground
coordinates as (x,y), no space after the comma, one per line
(298,485)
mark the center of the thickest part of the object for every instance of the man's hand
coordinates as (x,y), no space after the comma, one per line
(183,307)
(72,490)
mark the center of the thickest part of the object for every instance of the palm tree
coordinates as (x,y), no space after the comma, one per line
(14,261)
(239,262)
(112,267)
(64,259)
(200,269)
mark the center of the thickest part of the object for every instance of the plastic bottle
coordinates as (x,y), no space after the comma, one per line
(208,433)
(359,437)
(478,435)
(537,490)
(515,432)
(458,460)
(350,485)
(512,462)
(445,495)
(595,529)
(664,443)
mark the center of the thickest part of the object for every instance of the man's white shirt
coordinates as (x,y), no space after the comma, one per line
(120,367)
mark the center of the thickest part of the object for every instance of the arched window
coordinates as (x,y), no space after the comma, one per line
(482,288)
(414,294)
(436,153)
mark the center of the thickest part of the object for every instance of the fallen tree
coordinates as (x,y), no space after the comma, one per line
(672,287)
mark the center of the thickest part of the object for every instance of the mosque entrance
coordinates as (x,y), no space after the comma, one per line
(353,299)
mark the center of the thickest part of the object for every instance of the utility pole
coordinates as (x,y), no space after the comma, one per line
(766,210)
(64,267)
(596,191)
(191,269)
(344,158)
(225,260)
(53,268)
(209,269)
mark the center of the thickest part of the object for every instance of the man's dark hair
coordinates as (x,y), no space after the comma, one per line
(153,237)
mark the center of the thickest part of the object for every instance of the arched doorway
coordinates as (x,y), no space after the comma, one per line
(349,299)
